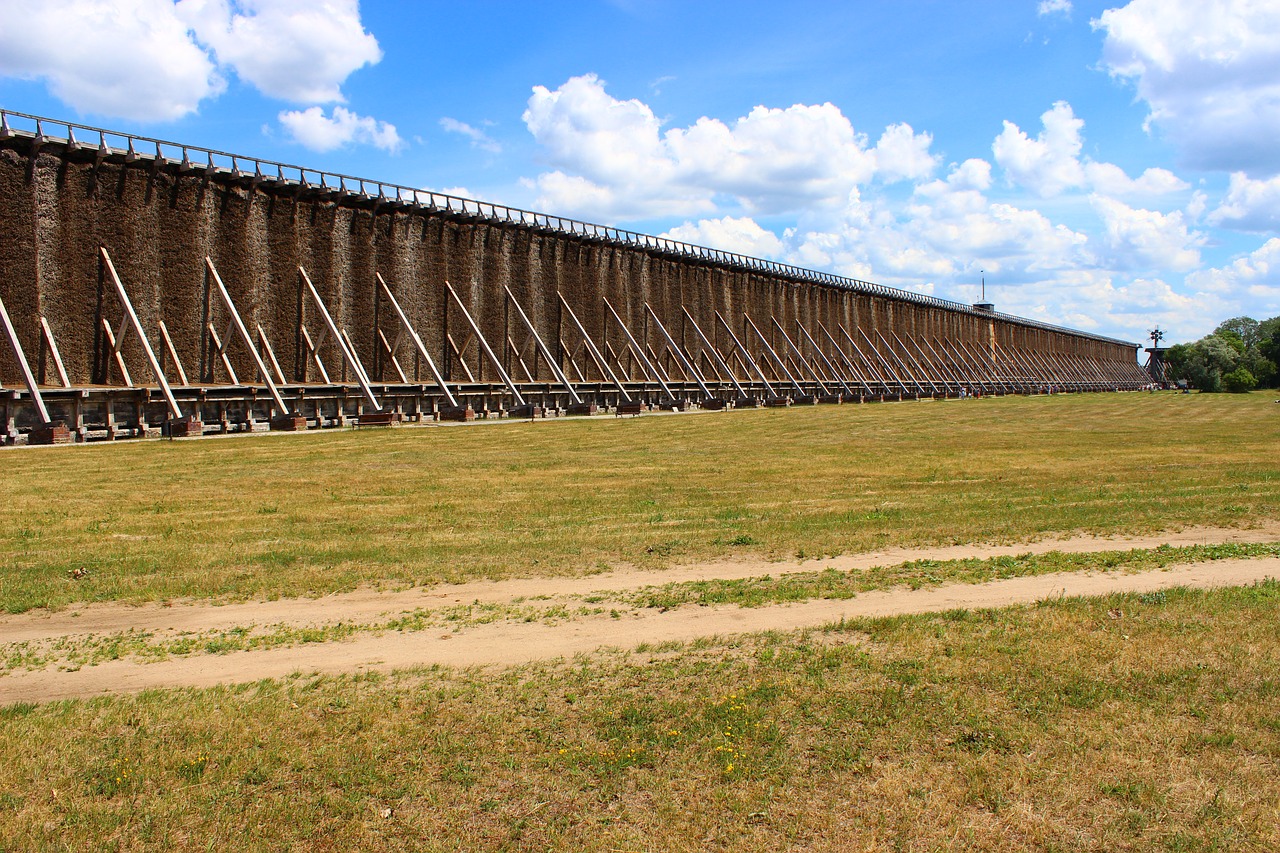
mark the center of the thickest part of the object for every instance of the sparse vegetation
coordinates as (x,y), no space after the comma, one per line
(311,514)
(1118,723)
(1130,722)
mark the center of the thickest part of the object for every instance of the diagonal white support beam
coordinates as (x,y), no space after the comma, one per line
(745,353)
(347,354)
(493,359)
(688,366)
(776,359)
(600,360)
(636,348)
(542,348)
(714,352)
(142,337)
(417,341)
(799,355)
(281,406)
(822,355)
(21,358)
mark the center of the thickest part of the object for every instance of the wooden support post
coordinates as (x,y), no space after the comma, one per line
(823,356)
(52,346)
(21,357)
(799,355)
(542,348)
(690,370)
(745,354)
(417,341)
(708,346)
(348,354)
(484,345)
(638,353)
(172,354)
(174,409)
(237,323)
(594,351)
(776,360)
(271,354)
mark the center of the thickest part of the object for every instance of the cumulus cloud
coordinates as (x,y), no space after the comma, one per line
(1250,205)
(1048,164)
(312,128)
(1209,74)
(902,154)
(134,59)
(1147,239)
(1256,274)
(1054,7)
(614,158)
(741,234)
(1051,163)
(295,50)
(479,139)
(154,60)
(1110,179)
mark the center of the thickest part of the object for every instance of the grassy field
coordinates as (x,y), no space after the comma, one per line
(1130,723)
(1139,722)
(310,514)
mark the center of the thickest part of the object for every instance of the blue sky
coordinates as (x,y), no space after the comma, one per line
(1107,166)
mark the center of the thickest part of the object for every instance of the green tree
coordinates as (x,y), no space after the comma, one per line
(1269,351)
(1239,381)
(1246,329)
(1204,363)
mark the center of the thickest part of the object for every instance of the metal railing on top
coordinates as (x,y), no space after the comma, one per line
(114,143)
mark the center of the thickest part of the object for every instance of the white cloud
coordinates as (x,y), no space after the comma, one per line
(295,50)
(1147,239)
(1250,205)
(1209,73)
(1048,164)
(615,159)
(901,153)
(1257,273)
(154,60)
(1110,179)
(1051,163)
(1054,7)
(742,235)
(312,128)
(133,59)
(479,139)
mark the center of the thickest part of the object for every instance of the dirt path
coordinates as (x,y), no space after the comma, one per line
(508,643)
(367,606)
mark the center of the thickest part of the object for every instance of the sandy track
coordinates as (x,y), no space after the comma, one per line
(509,643)
(366,606)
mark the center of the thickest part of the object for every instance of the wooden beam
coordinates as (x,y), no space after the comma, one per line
(21,357)
(174,409)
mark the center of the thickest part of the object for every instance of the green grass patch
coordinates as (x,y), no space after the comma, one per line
(836,584)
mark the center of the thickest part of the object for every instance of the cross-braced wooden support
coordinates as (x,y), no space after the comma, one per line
(522,408)
(404,329)
(178,423)
(286,418)
(340,340)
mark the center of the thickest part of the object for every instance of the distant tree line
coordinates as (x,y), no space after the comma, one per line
(1238,356)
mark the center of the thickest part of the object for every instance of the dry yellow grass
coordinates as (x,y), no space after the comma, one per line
(310,514)
(1137,722)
